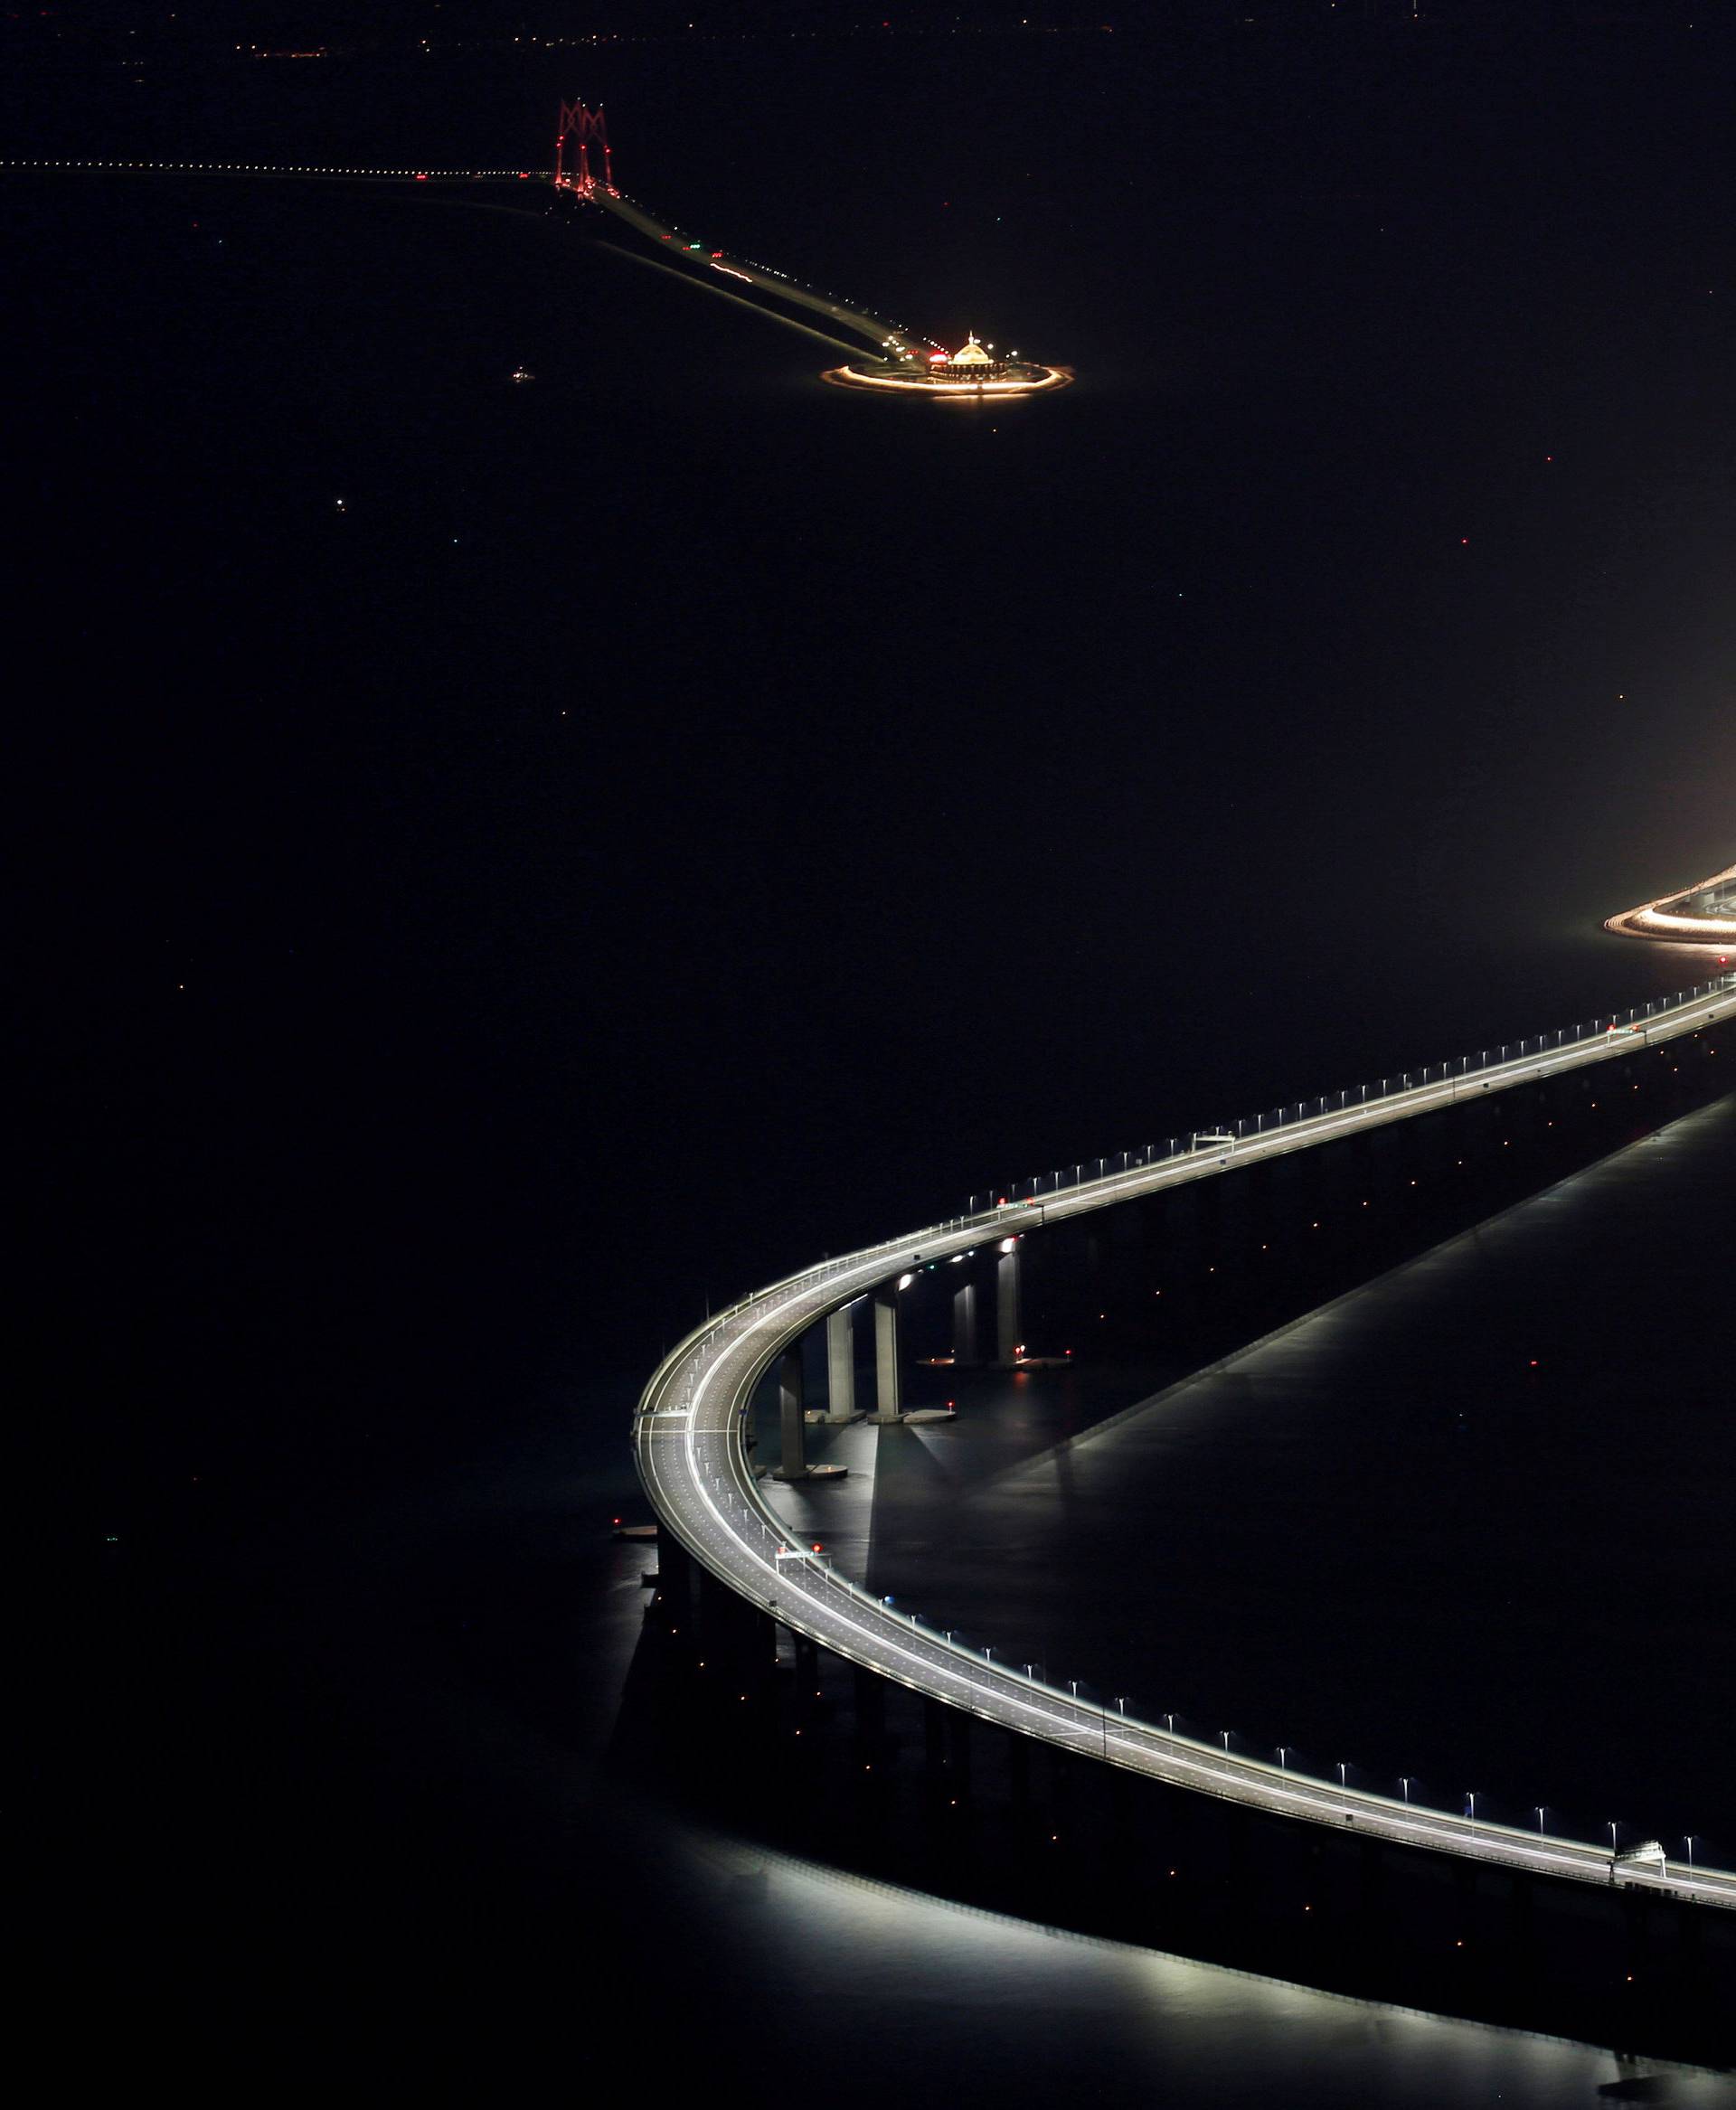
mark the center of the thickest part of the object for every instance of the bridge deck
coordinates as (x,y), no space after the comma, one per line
(881,334)
(689,1432)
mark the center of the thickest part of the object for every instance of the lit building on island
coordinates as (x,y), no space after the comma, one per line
(971,362)
(972,372)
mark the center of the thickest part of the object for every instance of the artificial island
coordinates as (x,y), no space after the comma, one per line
(967,375)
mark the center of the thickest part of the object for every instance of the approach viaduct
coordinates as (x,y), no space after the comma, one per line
(690,1436)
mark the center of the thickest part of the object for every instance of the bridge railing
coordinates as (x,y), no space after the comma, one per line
(813,1288)
(1448,1078)
(999,1208)
(1094,1725)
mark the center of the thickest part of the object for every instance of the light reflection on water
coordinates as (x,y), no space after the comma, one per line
(1032,2012)
(1383,1535)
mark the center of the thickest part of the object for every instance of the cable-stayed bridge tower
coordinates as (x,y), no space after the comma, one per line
(582,125)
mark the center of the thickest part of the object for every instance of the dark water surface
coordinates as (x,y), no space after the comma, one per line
(672,819)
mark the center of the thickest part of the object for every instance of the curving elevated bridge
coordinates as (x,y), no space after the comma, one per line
(886,338)
(690,1433)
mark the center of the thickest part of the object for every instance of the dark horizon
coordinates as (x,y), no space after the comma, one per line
(671,821)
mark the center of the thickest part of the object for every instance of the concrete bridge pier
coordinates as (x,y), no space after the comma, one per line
(792,1464)
(841,1365)
(886,1399)
(1009,1323)
(964,1323)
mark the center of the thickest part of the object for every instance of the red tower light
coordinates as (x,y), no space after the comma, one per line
(582,125)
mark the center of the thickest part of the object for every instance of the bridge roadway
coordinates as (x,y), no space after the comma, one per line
(689,1433)
(689,1427)
(693,1458)
(882,336)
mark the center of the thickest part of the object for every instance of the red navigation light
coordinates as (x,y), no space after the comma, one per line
(818,1547)
(524,175)
(715,255)
(421,179)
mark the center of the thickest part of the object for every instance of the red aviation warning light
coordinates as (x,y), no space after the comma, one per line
(582,124)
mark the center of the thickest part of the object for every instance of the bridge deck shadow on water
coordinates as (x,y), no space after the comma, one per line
(823,1758)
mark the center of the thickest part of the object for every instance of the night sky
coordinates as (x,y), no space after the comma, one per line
(669,821)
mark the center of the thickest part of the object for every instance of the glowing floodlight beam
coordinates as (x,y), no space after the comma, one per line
(1670,921)
(937,390)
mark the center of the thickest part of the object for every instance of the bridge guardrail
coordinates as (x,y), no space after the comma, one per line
(788,1307)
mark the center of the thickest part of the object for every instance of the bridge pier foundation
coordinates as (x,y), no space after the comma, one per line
(792,1464)
(841,1365)
(886,1399)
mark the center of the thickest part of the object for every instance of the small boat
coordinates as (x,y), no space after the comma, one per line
(521,374)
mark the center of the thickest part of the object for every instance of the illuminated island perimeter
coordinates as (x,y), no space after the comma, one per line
(970,376)
(1702,916)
